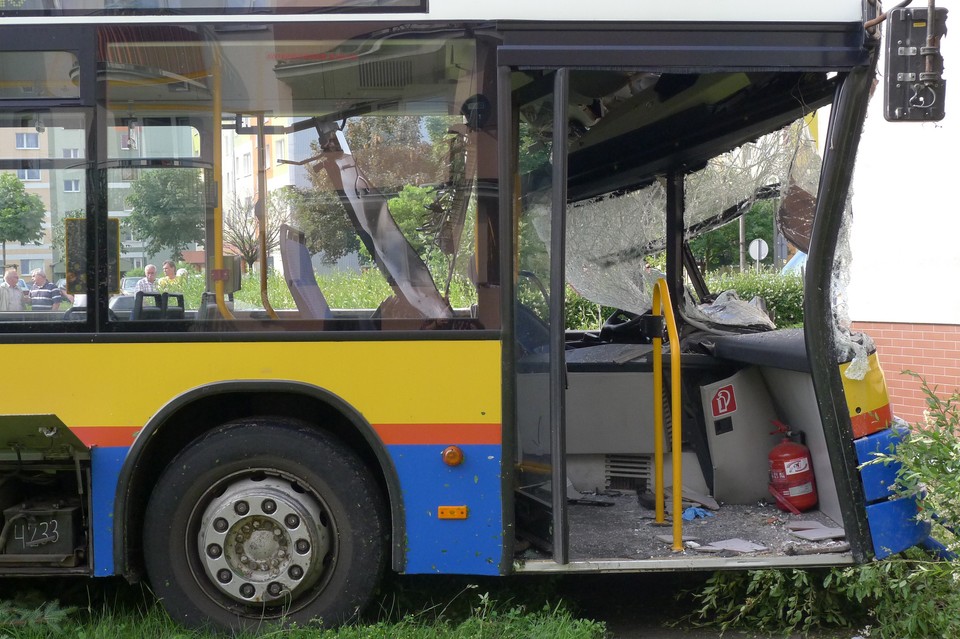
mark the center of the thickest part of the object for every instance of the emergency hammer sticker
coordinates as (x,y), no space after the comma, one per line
(724,401)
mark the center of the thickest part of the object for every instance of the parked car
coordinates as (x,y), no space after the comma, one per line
(128,285)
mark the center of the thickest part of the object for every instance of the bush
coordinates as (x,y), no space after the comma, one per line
(782,293)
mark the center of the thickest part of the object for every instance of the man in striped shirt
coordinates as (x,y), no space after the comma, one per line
(44,296)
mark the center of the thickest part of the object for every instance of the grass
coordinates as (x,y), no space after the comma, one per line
(409,608)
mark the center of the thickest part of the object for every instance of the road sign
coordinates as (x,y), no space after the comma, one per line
(758,249)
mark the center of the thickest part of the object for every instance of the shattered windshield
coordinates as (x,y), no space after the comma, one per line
(610,237)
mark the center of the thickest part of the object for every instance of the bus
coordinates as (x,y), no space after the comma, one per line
(384,210)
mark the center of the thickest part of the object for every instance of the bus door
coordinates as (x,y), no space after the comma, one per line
(536,194)
(46,152)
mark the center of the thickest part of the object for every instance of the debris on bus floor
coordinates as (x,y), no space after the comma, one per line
(668,539)
(819,534)
(831,547)
(735,544)
(695,512)
(803,524)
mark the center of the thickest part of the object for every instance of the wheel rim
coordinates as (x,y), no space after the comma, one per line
(263,540)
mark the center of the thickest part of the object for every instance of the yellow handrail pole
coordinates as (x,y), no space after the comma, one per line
(676,414)
(658,412)
(218,281)
(666,307)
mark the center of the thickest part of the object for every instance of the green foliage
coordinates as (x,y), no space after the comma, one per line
(721,246)
(465,615)
(21,214)
(782,293)
(772,601)
(319,213)
(898,598)
(47,618)
(168,209)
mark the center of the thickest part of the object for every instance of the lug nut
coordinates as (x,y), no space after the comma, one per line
(302,546)
(247,590)
(241,508)
(224,576)
(269,506)
(220,525)
(214,551)
(291,520)
(275,589)
(295,572)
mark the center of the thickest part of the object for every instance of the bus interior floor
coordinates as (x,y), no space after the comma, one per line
(616,526)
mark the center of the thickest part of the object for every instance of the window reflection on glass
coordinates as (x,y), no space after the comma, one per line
(44,187)
(37,74)
(353,163)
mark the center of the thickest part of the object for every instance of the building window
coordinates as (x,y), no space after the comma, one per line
(28,140)
(279,146)
(71,153)
(26,266)
(71,186)
(29,175)
(247,165)
(266,158)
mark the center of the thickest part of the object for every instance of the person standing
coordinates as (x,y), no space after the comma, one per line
(170,282)
(148,283)
(44,296)
(11,296)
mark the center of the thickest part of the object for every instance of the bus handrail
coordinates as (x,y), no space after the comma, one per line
(662,307)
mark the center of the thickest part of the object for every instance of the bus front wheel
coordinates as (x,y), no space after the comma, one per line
(265,521)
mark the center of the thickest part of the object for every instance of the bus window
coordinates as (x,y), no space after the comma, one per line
(43,171)
(340,175)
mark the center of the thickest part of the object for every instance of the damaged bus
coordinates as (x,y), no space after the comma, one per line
(261,443)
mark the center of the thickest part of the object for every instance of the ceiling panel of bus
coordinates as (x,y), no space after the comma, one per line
(627,128)
(258,73)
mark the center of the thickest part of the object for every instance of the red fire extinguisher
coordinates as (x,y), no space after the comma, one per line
(791,474)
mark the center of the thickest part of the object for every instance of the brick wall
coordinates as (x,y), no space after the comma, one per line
(930,350)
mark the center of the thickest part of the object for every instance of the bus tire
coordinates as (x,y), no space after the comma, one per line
(261,522)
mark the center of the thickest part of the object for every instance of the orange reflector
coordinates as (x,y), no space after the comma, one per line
(451,512)
(452,456)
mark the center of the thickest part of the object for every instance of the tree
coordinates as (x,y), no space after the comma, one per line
(241,228)
(320,215)
(168,210)
(21,214)
(721,246)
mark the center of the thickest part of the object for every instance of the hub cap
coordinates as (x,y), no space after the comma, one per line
(265,540)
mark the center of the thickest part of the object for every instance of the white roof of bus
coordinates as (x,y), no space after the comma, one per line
(811,11)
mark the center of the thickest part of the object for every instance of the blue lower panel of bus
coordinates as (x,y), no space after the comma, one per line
(106,464)
(458,546)
(893,521)
(472,545)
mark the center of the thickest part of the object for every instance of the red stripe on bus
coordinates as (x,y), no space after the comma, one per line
(443,434)
(389,433)
(105,435)
(869,422)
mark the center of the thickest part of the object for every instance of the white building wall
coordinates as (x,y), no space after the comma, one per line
(906,209)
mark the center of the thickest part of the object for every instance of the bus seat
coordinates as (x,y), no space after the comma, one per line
(152,311)
(298,273)
(171,306)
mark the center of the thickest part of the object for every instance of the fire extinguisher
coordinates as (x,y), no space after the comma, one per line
(791,473)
